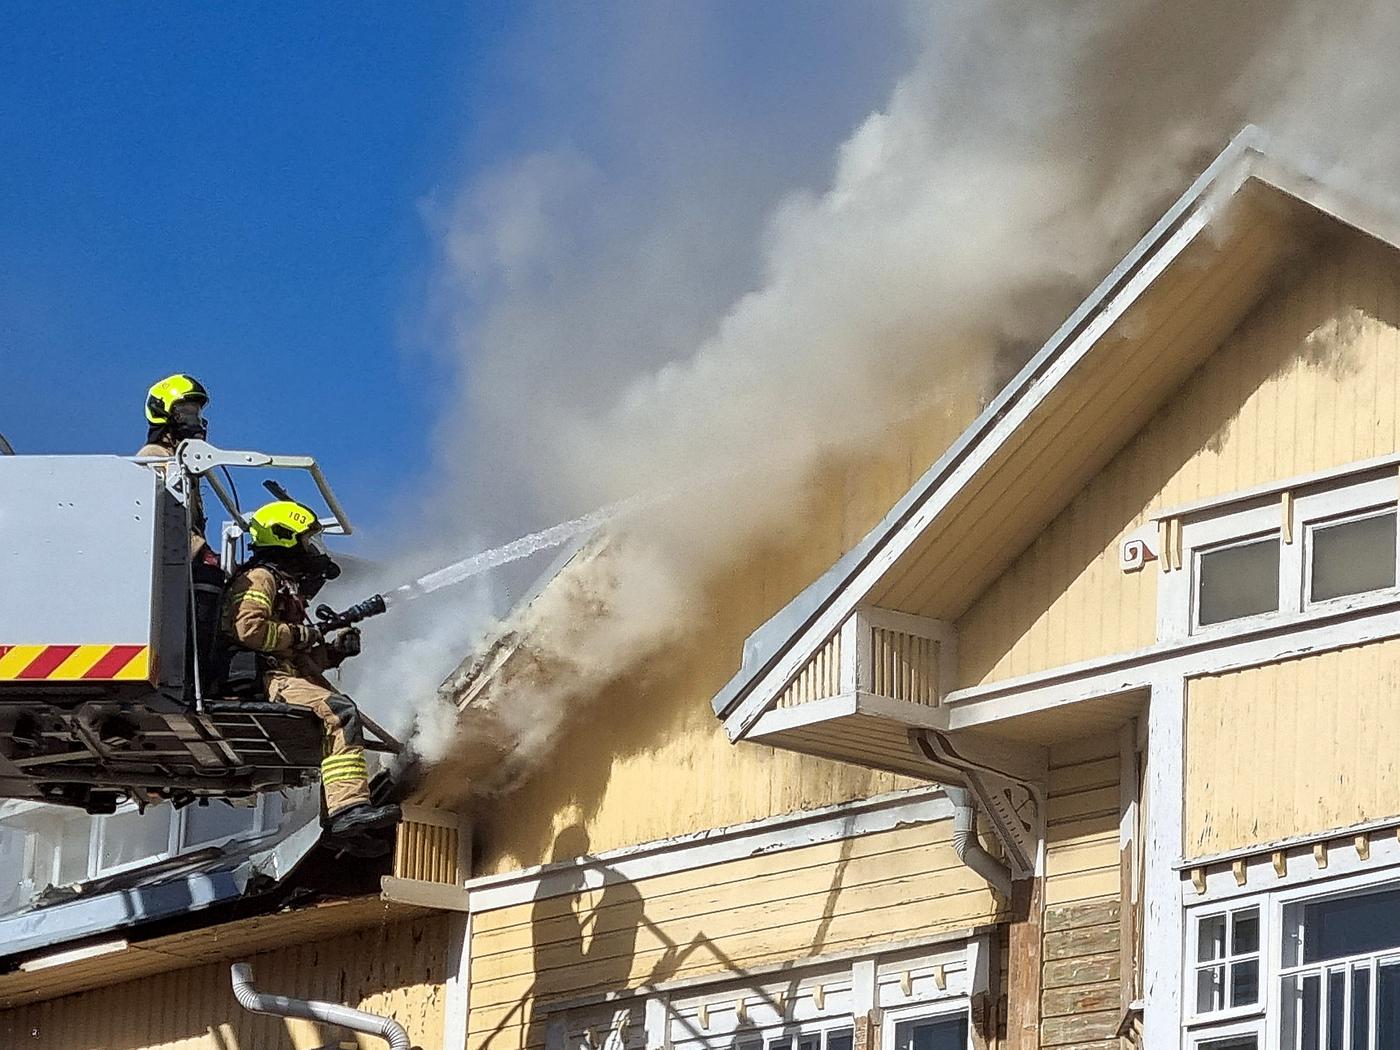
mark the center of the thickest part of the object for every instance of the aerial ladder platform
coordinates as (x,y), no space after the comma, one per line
(103,659)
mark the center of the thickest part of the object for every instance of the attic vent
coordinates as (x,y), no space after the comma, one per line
(820,676)
(880,652)
(430,847)
(904,666)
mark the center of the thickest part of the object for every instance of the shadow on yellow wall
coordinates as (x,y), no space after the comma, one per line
(591,946)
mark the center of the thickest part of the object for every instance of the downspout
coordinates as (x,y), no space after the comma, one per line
(257,1002)
(969,848)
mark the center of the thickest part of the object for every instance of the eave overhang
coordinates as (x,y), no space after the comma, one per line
(1151,322)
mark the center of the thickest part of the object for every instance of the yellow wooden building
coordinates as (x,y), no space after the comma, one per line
(1078,739)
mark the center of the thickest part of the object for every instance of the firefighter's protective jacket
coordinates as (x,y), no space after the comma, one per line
(264,611)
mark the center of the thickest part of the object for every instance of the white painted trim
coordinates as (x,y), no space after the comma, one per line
(784,719)
(1163,916)
(1301,869)
(420,893)
(72,955)
(1369,618)
(457,1004)
(865,988)
(848,596)
(922,805)
(903,622)
(1348,831)
(1275,489)
(850,679)
(658,1031)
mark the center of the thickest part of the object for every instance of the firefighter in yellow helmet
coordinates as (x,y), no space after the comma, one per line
(265,611)
(174,412)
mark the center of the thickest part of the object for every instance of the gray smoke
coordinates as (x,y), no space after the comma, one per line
(1024,147)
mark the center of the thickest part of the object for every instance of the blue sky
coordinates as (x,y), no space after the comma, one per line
(240,191)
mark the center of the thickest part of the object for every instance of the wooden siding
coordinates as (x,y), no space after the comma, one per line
(1081,835)
(1080,1003)
(1080,993)
(772,908)
(1308,382)
(396,969)
(1293,748)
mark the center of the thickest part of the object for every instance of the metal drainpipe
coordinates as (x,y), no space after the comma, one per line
(967,846)
(257,1002)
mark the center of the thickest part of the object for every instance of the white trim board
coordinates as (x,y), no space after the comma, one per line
(1369,619)
(1349,831)
(1300,868)
(922,805)
(1214,504)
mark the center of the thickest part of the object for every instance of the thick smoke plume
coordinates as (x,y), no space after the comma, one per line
(1026,146)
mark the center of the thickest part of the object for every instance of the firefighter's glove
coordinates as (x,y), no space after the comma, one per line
(305,636)
(345,644)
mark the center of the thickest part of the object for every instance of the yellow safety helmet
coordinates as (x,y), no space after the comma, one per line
(281,524)
(160,400)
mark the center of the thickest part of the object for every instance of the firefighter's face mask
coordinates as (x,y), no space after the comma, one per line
(187,420)
(320,566)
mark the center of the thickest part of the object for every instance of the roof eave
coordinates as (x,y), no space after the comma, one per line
(1245,157)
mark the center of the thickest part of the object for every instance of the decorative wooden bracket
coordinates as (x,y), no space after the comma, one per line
(1007,781)
(1138,549)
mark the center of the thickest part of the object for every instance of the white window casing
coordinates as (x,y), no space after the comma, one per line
(1298,522)
(1337,994)
(814,1007)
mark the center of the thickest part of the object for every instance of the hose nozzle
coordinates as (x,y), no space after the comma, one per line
(330,620)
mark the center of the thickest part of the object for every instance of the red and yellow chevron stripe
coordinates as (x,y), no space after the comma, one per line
(74,663)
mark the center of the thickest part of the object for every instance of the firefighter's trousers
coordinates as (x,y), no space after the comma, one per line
(344,775)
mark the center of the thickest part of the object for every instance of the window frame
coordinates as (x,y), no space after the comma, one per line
(1265,1020)
(1255,1027)
(1229,909)
(1310,507)
(951,1006)
(1200,550)
(1337,506)
(821,1027)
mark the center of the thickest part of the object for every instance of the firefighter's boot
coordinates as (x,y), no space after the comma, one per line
(363,817)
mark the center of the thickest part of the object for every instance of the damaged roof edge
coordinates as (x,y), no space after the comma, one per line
(771,641)
(479,666)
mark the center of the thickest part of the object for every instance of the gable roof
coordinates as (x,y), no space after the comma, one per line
(1160,312)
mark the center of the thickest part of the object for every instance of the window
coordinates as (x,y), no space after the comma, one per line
(130,838)
(921,996)
(1326,978)
(839,1038)
(1339,985)
(1352,557)
(1248,1041)
(1326,546)
(43,846)
(1227,961)
(1237,581)
(932,1033)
